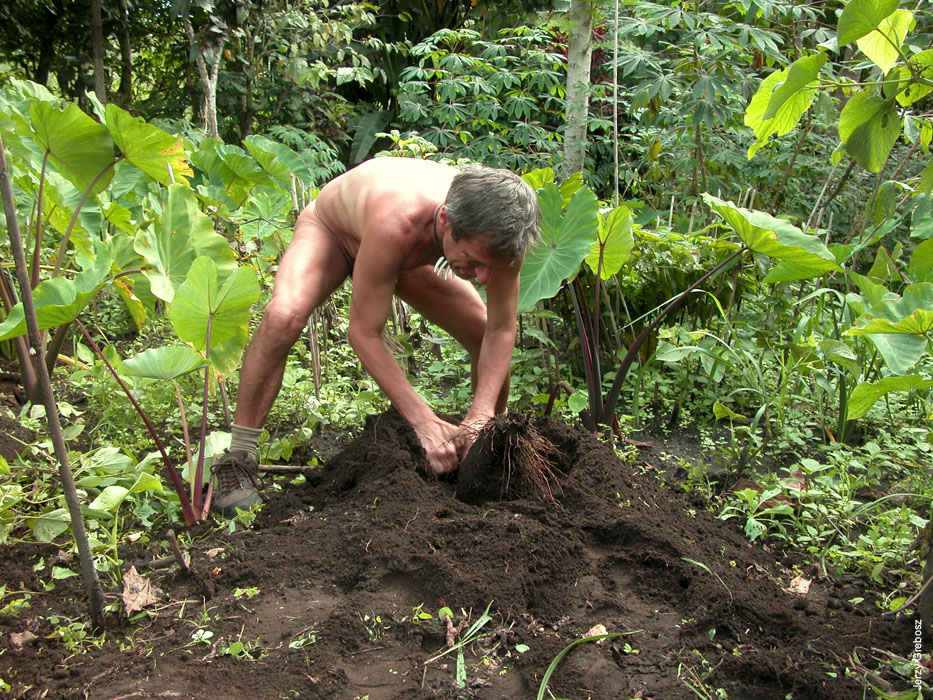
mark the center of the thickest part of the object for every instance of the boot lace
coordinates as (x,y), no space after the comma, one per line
(232,471)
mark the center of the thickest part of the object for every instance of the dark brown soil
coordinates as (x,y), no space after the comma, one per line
(351,556)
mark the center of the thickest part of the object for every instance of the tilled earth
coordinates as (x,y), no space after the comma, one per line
(334,592)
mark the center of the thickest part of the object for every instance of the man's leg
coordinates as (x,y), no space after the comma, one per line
(311,269)
(454,305)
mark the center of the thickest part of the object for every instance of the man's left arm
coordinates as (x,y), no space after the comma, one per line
(495,357)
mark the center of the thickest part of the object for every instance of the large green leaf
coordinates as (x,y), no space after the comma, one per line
(912,314)
(147,147)
(922,64)
(202,300)
(786,111)
(183,233)
(566,237)
(166,363)
(616,240)
(277,159)
(80,148)
(869,127)
(60,300)
(864,396)
(882,44)
(801,74)
(802,256)
(861,17)
(921,262)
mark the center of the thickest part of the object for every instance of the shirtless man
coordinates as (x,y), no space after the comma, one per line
(387,223)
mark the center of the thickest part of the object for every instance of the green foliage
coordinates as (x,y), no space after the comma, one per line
(495,102)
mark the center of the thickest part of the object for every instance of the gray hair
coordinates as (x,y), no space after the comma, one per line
(497,206)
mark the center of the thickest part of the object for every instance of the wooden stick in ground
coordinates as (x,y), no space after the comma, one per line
(88,572)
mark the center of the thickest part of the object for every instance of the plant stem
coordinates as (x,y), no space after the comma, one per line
(88,572)
(190,518)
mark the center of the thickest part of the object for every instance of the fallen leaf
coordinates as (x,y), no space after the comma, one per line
(597,630)
(19,639)
(799,585)
(138,592)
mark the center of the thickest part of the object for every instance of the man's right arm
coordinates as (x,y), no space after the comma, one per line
(374,277)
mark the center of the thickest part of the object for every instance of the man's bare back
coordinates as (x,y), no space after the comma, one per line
(363,200)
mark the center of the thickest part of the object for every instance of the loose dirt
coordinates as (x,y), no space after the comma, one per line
(327,594)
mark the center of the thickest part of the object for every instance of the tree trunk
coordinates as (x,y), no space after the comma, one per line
(207,61)
(579,52)
(125,93)
(97,45)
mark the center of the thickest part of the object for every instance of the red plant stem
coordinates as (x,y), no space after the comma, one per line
(190,517)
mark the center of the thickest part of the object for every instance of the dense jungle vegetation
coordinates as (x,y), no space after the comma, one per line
(737,244)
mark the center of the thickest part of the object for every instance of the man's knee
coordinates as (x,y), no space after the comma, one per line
(283,321)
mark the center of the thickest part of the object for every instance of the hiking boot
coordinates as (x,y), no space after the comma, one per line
(238,483)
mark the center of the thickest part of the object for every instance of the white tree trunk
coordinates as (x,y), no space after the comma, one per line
(579,52)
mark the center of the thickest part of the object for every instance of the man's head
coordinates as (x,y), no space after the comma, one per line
(497,206)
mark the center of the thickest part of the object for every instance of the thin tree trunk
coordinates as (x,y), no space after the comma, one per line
(89,573)
(125,92)
(579,52)
(97,45)
(208,73)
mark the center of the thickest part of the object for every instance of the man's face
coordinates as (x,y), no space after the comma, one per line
(470,260)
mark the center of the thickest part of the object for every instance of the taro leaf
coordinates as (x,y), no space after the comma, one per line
(225,356)
(79,147)
(183,233)
(785,116)
(60,300)
(896,326)
(167,362)
(277,159)
(859,17)
(869,127)
(801,75)
(563,244)
(615,238)
(921,262)
(912,314)
(881,45)
(147,147)
(864,396)
(801,256)
(921,218)
(539,178)
(202,299)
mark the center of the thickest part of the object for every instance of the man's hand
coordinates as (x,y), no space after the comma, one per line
(440,441)
(470,428)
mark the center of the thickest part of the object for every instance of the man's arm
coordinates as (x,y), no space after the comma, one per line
(495,357)
(374,278)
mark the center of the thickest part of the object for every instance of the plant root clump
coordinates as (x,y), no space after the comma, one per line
(510,460)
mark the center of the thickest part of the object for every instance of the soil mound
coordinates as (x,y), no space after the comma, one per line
(340,574)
